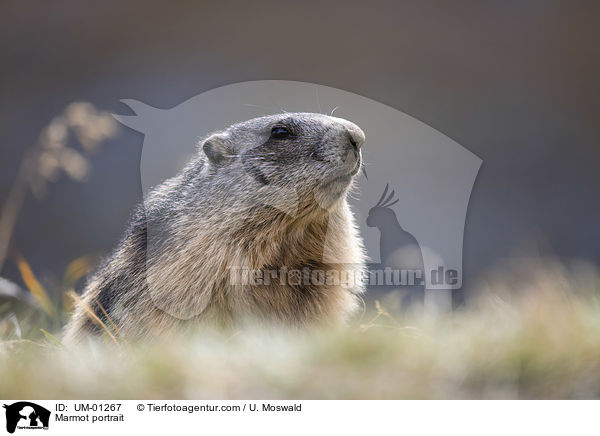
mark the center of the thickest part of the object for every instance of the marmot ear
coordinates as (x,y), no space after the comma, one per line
(217,151)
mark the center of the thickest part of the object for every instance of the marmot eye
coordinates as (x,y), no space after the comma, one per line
(280,132)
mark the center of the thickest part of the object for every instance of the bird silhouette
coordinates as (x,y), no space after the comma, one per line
(398,249)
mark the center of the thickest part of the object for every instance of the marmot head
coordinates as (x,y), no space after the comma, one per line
(288,161)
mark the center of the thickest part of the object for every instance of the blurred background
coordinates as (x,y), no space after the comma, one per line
(515,83)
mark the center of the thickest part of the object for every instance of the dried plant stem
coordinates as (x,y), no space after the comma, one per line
(14,203)
(93,315)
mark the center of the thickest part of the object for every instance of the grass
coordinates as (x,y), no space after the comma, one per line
(533,332)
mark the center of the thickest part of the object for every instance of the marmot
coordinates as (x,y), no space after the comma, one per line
(211,245)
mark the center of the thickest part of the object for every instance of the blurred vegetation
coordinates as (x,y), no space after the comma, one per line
(535,337)
(64,147)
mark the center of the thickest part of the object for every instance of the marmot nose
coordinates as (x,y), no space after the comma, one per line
(356,137)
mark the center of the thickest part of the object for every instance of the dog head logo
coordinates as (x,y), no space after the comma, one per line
(26,415)
(427,176)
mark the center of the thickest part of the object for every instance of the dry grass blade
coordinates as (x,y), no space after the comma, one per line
(52,338)
(113,325)
(77,269)
(34,286)
(93,316)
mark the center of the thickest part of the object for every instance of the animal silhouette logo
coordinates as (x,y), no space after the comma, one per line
(26,415)
(397,247)
(431,174)
(399,252)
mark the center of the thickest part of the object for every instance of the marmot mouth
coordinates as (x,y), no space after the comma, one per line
(358,164)
(346,178)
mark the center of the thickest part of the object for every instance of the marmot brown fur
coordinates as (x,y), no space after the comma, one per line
(212,245)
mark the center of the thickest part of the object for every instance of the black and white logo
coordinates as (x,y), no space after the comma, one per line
(26,415)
